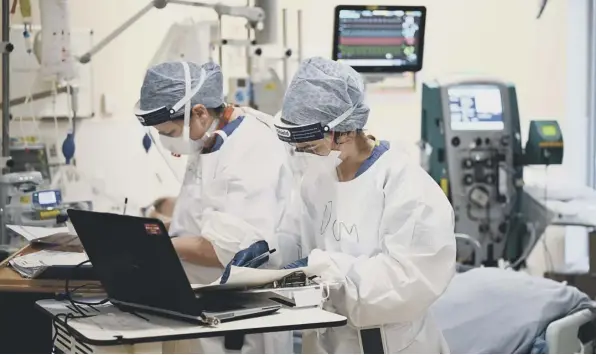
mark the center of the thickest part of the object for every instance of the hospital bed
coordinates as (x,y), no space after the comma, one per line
(557,204)
(497,311)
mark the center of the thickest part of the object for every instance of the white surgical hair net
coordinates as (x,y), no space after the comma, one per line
(164,85)
(321,91)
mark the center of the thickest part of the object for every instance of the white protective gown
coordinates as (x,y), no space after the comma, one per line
(388,237)
(234,197)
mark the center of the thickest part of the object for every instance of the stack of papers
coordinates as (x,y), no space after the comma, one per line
(51,236)
(31,265)
(242,277)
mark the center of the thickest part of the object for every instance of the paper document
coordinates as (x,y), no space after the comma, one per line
(249,277)
(42,235)
(33,264)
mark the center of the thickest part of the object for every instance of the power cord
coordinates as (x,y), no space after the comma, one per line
(67,295)
(548,257)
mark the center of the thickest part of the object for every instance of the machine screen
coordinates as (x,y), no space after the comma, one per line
(47,198)
(549,131)
(388,38)
(475,108)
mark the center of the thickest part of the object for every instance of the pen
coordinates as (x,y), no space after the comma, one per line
(258,258)
(125,204)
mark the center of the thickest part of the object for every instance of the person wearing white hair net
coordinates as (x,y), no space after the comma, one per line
(235,187)
(371,222)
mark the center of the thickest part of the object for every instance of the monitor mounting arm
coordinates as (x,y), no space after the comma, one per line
(254,16)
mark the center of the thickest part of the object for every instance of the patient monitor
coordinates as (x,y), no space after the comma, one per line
(379,39)
(472,147)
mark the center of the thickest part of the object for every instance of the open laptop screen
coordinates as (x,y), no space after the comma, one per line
(134,260)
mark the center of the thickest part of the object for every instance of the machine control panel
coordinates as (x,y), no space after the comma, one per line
(471,146)
(476,116)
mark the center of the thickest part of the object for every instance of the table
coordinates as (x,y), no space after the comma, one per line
(30,332)
(111,330)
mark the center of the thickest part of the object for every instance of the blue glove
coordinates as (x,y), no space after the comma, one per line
(245,258)
(296,264)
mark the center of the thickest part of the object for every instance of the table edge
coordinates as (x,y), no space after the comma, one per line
(128,341)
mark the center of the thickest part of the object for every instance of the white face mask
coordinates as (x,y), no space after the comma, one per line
(183,145)
(301,162)
(334,157)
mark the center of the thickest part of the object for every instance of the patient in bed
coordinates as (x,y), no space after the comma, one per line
(162,209)
(495,311)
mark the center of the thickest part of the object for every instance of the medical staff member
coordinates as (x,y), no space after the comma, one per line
(368,217)
(162,209)
(236,182)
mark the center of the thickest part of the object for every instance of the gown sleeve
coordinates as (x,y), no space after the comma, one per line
(244,203)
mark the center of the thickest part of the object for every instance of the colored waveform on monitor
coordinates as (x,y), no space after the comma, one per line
(376,41)
(372,51)
(376,20)
(396,32)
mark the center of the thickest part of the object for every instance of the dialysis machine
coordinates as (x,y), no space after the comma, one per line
(472,147)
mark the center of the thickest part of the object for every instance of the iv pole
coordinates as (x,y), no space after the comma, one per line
(7,47)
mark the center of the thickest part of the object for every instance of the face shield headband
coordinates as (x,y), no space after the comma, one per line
(289,133)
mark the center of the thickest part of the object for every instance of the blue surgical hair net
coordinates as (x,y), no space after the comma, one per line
(321,91)
(164,85)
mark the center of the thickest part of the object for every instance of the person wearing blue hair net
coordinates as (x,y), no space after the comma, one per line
(368,219)
(236,182)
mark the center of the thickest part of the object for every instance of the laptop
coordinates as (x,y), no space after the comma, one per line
(139,269)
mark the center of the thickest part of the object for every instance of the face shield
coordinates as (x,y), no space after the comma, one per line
(165,114)
(310,146)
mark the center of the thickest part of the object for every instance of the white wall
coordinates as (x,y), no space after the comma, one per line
(499,38)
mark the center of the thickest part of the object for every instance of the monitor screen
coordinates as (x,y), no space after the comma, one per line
(47,197)
(379,38)
(475,108)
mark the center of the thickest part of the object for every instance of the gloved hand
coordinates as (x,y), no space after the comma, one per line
(296,264)
(245,258)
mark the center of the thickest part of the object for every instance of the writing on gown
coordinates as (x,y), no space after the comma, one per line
(340,229)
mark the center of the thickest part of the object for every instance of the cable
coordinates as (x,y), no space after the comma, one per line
(28,98)
(490,233)
(69,106)
(68,292)
(74,303)
(56,129)
(528,249)
(534,237)
(55,322)
(31,111)
(541,8)
(547,255)
(548,259)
